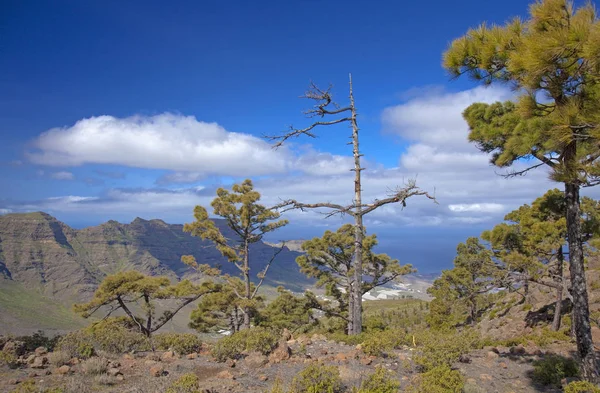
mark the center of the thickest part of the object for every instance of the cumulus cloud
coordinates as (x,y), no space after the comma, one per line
(166,141)
(5,211)
(62,175)
(477,207)
(467,188)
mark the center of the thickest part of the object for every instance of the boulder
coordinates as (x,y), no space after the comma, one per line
(63,370)
(255,360)
(226,374)
(39,362)
(281,353)
(40,351)
(157,371)
(286,335)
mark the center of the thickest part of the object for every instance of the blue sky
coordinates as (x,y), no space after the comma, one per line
(112,110)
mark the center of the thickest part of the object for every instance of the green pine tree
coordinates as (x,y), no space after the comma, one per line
(250,221)
(552,60)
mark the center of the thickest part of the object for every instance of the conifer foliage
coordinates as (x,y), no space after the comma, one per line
(249,220)
(553,60)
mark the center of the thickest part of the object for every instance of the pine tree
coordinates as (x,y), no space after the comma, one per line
(553,61)
(330,259)
(119,291)
(458,291)
(250,221)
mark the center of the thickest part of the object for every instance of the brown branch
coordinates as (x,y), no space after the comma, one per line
(543,159)
(519,173)
(399,196)
(291,204)
(264,272)
(294,133)
(169,315)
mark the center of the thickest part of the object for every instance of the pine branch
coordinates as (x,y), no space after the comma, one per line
(400,195)
(263,274)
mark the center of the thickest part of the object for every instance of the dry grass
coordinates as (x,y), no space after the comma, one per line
(59,358)
(95,366)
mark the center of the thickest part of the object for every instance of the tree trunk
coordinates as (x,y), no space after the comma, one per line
(356,310)
(559,291)
(350,294)
(581,312)
(247,284)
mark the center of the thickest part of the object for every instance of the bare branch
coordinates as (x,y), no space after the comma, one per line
(400,195)
(519,173)
(291,204)
(294,133)
(263,274)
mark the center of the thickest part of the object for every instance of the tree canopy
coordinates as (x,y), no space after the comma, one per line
(124,289)
(249,220)
(552,60)
(330,258)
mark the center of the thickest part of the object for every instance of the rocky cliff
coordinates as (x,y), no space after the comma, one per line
(48,258)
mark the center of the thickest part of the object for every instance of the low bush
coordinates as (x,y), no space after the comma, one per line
(59,358)
(317,378)
(445,348)
(38,339)
(381,381)
(76,344)
(581,387)
(182,343)
(384,342)
(250,340)
(117,335)
(440,379)
(187,383)
(105,380)
(8,359)
(95,366)
(552,369)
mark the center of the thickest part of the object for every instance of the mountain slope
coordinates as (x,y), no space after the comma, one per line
(56,263)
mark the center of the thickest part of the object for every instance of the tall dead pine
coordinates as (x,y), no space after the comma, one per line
(325,107)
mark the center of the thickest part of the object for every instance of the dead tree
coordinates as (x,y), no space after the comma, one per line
(325,107)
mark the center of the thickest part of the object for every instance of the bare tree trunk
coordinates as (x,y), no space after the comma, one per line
(356,311)
(581,312)
(559,291)
(247,284)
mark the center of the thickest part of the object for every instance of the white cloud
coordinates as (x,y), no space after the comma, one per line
(477,207)
(166,141)
(5,211)
(468,190)
(190,148)
(62,175)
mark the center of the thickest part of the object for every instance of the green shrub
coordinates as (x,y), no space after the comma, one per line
(182,343)
(28,386)
(581,387)
(527,307)
(9,359)
(38,339)
(440,379)
(250,340)
(277,387)
(113,335)
(443,349)
(347,339)
(317,378)
(187,383)
(383,343)
(381,381)
(117,335)
(552,369)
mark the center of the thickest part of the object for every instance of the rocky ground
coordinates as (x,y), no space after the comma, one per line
(493,369)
